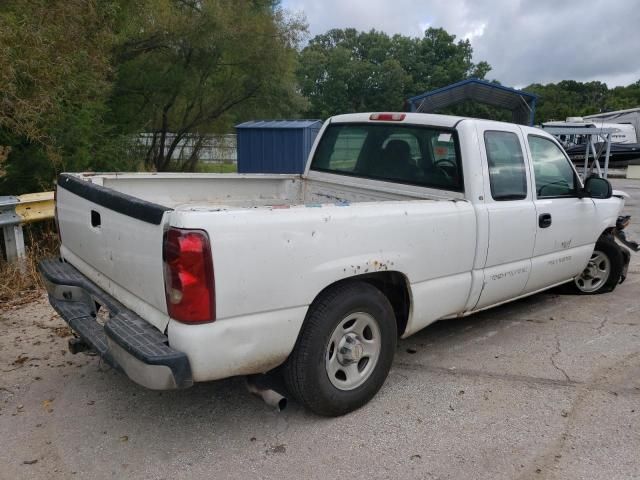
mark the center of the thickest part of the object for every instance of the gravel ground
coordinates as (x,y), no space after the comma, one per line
(546,387)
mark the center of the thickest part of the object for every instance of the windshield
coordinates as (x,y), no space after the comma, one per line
(425,156)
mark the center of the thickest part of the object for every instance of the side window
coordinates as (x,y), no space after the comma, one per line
(553,173)
(507,174)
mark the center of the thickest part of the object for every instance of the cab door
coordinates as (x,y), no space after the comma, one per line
(566,225)
(511,213)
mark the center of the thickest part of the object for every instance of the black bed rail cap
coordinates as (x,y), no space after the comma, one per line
(123,203)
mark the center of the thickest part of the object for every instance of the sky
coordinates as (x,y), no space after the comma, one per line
(534,41)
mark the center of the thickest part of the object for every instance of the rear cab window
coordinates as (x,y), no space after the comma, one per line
(415,155)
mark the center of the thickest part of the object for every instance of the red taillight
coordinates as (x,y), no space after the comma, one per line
(388,117)
(188,276)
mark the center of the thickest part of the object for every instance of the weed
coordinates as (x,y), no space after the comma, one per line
(20,281)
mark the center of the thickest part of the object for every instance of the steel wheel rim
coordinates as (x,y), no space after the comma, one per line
(353,351)
(595,274)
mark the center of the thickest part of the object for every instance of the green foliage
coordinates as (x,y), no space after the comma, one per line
(55,82)
(53,57)
(621,98)
(569,98)
(350,71)
(28,168)
(470,108)
(81,79)
(204,167)
(191,68)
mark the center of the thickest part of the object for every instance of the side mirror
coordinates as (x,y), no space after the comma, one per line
(596,187)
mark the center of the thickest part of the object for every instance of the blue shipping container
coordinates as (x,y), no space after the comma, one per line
(275,146)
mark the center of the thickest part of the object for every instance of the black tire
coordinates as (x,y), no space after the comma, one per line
(305,372)
(609,248)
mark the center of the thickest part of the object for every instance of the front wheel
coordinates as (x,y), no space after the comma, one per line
(603,271)
(344,351)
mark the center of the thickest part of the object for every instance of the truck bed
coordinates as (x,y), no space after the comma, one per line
(116,240)
(212,192)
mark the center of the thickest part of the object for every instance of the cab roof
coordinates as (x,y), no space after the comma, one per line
(435,120)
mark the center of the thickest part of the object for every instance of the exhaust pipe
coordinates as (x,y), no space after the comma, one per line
(263,387)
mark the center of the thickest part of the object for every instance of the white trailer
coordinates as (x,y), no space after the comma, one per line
(630,116)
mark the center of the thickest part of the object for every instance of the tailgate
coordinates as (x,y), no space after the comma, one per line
(115,240)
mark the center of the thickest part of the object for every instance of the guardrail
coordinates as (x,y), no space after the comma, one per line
(19,210)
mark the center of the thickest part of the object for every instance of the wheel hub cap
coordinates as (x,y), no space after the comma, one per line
(595,273)
(353,351)
(350,349)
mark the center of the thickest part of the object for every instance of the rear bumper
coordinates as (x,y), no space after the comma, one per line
(125,341)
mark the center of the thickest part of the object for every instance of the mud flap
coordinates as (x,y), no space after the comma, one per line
(620,235)
(626,257)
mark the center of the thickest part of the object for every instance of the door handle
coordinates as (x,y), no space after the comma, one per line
(544,220)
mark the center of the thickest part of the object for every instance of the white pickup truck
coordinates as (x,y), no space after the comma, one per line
(398,221)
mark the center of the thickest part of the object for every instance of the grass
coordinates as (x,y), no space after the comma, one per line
(20,281)
(216,168)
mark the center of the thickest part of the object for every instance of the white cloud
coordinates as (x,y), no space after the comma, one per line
(475,33)
(535,41)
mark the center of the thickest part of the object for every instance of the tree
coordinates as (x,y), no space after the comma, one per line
(54,77)
(437,60)
(347,70)
(187,68)
(82,79)
(621,98)
(569,98)
(45,65)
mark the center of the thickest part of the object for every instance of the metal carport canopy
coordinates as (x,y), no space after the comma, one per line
(521,104)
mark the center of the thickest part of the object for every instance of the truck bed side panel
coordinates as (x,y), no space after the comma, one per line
(269,259)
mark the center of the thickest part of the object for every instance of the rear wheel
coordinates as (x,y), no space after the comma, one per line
(344,351)
(603,271)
